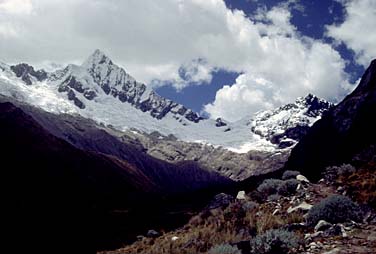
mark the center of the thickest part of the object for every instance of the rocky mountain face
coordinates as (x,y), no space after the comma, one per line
(28,74)
(344,131)
(286,125)
(99,74)
(236,166)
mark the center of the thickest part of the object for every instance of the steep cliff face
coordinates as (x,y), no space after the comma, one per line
(344,131)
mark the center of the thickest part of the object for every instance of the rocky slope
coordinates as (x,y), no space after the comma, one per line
(257,222)
(236,166)
(344,131)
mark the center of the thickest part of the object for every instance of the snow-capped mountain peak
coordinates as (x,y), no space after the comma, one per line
(97,58)
(287,124)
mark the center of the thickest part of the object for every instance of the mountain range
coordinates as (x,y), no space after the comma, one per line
(105,153)
(104,92)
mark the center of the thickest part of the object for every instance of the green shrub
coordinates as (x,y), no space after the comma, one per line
(333,172)
(274,197)
(274,241)
(334,209)
(276,186)
(290,186)
(290,174)
(249,205)
(224,249)
(270,186)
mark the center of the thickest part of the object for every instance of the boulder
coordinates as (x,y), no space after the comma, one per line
(241,195)
(322,225)
(302,178)
(303,206)
(140,237)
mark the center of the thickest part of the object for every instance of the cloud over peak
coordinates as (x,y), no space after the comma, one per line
(181,43)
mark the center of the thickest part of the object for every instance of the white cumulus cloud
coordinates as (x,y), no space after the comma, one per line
(19,7)
(285,66)
(180,43)
(358,29)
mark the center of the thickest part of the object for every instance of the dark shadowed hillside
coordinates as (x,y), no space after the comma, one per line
(58,195)
(86,135)
(345,131)
(62,198)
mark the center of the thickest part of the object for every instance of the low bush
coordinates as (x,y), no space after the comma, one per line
(274,197)
(289,187)
(249,206)
(274,241)
(333,172)
(224,249)
(334,209)
(270,186)
(290,174)
(276,186)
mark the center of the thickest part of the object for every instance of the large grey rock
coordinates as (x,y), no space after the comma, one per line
(303,207)
(302,178)
(322,225)
(241,195)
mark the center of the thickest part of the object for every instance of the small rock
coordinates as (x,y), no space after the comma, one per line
(276,211)
(333,251)
(322,225)
(343,231)
(303,206)
(340,189)
(241,195)
(312,245)
(152,233)
(316,234)
(367,217)
(302,178)
(174,238)
(140,237)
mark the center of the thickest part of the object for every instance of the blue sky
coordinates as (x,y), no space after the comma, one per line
(224,58)
(308,16)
